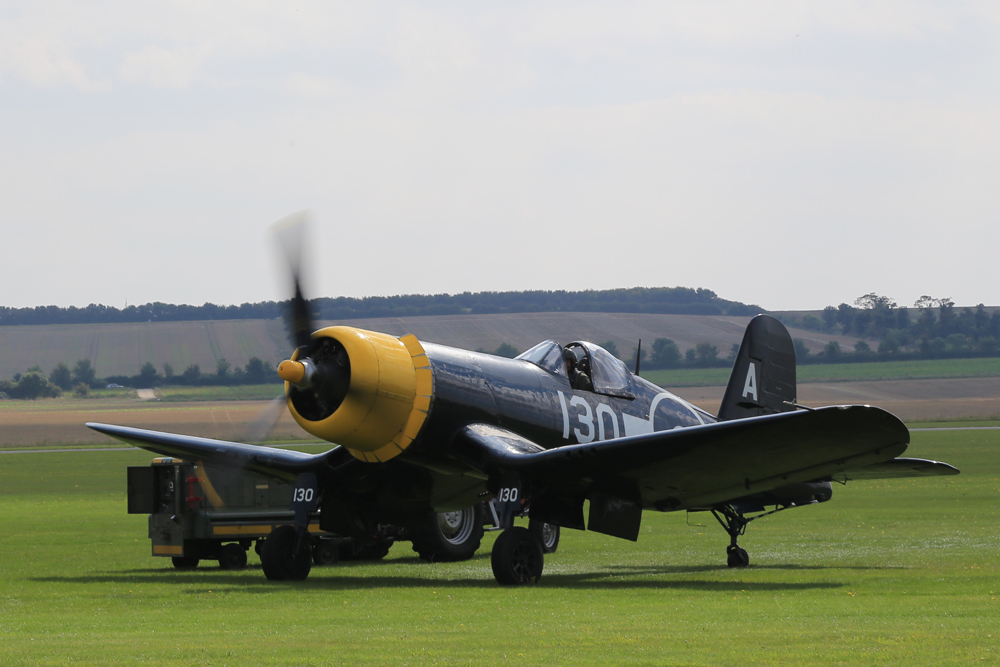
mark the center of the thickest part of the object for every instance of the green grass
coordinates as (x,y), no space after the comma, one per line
(876,370)
(121,393)
(889,572)
(956,423)
(247,392)
(94,394)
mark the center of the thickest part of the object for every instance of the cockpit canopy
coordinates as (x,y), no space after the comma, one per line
(548,355)
(609,374)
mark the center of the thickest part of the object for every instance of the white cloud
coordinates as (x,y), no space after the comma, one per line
(786,153)
(160,68)
(47,64)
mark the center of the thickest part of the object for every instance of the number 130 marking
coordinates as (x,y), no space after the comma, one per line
(507,495)
(303,495)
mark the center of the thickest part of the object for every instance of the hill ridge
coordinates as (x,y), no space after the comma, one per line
(122,348)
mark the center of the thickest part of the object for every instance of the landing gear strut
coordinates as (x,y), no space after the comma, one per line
(735,524)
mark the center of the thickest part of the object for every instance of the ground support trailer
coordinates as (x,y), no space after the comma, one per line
(198,512)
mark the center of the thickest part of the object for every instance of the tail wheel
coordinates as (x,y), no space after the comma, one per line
(449,536)
(546,533)
(517,558)
(737,557)
(279,559)
(232,557)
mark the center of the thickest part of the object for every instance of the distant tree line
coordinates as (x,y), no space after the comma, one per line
(33,383)
(933,329)
(224,374)
(665,354)
(664,300)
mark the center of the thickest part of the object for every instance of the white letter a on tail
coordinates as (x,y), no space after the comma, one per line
(750,387)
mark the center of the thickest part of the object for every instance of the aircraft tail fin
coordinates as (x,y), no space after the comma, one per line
(763,377)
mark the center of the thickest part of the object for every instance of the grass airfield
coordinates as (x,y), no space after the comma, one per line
(888,572)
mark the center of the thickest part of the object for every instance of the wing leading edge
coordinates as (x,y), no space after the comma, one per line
(278,463)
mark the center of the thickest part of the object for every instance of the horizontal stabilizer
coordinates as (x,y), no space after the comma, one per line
(897,468)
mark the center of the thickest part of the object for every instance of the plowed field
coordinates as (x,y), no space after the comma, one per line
(122,349)
(910,400)
(61,421)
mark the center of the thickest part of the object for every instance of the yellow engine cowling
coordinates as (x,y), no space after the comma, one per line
(388,399)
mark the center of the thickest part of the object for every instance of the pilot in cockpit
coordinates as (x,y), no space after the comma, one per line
(577,370)
(583,382)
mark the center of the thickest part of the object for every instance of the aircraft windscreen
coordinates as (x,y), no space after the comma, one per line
(548,355)
(610,375)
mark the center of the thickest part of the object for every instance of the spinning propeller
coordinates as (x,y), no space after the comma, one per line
(319,371)
(369,392)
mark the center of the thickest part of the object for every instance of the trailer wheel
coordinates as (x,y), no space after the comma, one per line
(278,557)
(449,536)
(232,557)
(325,552)
(184,562)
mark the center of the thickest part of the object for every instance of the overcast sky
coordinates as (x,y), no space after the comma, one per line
(793,155)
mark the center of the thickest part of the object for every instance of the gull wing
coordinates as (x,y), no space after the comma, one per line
(701,466)
(278,463)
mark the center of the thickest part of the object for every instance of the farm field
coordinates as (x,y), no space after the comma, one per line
(875,371)
(228,413)
(888,572)
(51,422)
(122,349)
(247,392)
(910,400)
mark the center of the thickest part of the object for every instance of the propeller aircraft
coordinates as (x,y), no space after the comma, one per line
(421,427)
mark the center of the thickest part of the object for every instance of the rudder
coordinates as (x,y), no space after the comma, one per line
(763,377)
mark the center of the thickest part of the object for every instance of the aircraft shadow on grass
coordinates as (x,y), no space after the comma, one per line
(610,577)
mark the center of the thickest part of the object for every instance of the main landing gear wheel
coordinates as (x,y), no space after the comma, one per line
(449,536)
(232,557)
(546,533)
(517,558)
(184,562)
(279,559)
